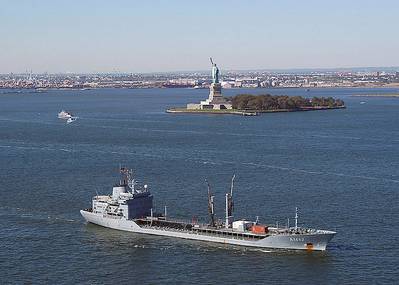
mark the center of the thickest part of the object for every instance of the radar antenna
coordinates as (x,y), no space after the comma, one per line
(211,60)
(132,182)
(127,178)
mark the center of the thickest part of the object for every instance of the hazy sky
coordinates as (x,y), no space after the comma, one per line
(147,36)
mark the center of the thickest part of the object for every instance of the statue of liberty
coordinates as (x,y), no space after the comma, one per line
(215,72)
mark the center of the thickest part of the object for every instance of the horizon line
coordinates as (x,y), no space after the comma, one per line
(303,69)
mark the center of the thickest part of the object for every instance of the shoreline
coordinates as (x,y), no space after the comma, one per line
(42,89)
(375,95)
(177,110)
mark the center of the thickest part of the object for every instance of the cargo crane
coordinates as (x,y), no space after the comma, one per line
(229,205)
(211,206)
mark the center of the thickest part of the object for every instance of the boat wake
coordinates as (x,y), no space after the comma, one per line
(262,250)
(319,172)
(31,215)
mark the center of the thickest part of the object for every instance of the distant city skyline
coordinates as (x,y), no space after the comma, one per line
(169,36)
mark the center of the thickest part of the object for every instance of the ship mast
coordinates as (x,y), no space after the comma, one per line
(211,205)
(296,218)
(229,205)
(127,179)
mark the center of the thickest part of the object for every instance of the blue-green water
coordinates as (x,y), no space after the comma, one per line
(340,167)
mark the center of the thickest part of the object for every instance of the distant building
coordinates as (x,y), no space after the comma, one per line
(238,83)
(227,84)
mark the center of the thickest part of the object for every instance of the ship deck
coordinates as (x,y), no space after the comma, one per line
(177,225)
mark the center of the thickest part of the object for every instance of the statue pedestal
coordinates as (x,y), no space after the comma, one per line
(215,99)
(215,92)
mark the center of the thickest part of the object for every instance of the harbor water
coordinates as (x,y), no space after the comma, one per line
(339,167)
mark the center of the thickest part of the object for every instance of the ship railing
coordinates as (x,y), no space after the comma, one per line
(292,231)
(230,234)
(168,229)
(208,232)
(179,221)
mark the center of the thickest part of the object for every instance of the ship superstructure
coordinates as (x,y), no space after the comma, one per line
(130,208)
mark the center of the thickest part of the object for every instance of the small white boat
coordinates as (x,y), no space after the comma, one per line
(64,115)
(71,120)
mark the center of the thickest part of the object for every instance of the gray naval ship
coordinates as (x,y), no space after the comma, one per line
(130,208)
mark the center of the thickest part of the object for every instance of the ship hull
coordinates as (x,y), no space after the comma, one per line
(317,241)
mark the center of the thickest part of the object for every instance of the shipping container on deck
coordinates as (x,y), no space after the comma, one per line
(259,229)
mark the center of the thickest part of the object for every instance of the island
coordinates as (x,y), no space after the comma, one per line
(248,104)
(252,105)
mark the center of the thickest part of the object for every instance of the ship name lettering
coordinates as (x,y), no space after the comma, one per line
(296,239)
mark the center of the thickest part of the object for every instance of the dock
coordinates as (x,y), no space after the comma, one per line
(212,111)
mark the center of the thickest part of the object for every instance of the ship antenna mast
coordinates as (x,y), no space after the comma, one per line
(132,186)
(211,206)
(296,218)
(120,174)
